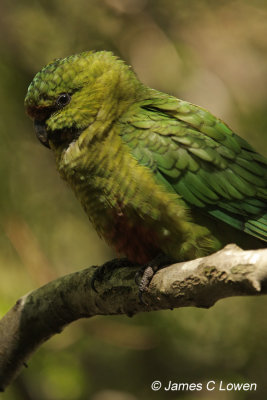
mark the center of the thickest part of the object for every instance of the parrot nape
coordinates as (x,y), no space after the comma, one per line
(155,174)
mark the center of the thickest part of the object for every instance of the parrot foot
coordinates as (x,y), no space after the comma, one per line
(107,269)
(145,275)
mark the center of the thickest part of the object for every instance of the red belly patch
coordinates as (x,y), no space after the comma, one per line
(130,237)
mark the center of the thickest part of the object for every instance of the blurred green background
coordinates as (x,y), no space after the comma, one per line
(212,53)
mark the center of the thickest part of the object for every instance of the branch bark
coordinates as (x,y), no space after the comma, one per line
(46,311)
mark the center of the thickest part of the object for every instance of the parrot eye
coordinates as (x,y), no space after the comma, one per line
(63,99)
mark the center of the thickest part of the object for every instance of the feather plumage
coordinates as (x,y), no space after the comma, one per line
(153,173)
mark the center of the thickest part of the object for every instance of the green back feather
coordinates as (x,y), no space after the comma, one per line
(201,159)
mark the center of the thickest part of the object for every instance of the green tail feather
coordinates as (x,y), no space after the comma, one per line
(257,227)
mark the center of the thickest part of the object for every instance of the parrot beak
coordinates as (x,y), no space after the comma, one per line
(41,132)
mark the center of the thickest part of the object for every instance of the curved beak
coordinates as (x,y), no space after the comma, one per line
(41,132)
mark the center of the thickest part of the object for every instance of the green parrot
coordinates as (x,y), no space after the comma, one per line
(155,174)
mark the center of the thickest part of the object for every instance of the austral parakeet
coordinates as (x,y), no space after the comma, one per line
(154,174)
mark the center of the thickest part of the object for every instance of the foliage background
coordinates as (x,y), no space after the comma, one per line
(212,53)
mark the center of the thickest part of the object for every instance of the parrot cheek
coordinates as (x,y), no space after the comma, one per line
(41,132)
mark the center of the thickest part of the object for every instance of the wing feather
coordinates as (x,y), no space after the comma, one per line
(199,157)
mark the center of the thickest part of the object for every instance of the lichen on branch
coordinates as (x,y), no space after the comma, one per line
(201,282)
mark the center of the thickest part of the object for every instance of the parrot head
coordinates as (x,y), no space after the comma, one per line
(68,94)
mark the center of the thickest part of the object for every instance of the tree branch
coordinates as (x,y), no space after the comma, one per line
(46,311)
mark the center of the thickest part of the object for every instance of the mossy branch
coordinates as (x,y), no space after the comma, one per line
(46,311)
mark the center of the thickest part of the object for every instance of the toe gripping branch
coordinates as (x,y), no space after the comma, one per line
(107,269)
(142,278)
(145,275)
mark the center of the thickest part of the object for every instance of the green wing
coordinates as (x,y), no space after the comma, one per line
(196,155)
